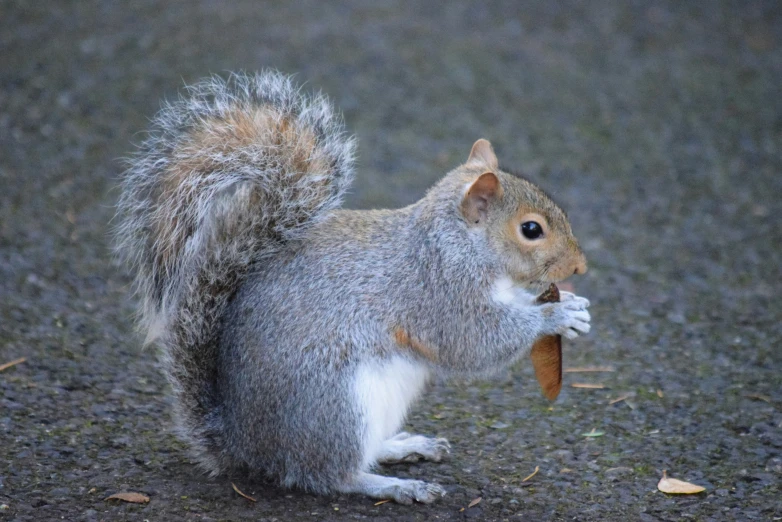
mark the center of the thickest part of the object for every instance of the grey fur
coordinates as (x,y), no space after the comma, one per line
(271,300)
(248,198)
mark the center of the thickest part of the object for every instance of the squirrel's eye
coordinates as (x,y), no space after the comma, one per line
(531,230)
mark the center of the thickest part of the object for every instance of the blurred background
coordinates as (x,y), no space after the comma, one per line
(657,125)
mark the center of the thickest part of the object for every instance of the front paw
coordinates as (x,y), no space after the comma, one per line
(569,318)
(570,296)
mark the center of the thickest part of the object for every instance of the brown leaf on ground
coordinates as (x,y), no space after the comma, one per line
(588,385)
(618,399)
(525,479)
(677,487)
(590,369)
(474,502)
(129,496)
(758,397)
(248,497)
(12,363)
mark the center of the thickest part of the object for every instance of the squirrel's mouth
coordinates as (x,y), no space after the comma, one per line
(537,285)
(541,283)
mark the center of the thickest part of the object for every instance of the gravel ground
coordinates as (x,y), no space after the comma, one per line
(657,125)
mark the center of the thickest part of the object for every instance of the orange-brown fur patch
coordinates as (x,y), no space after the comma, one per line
(403,339)
(219,137)
(565,262)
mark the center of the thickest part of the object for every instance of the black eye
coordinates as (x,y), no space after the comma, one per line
(531,230)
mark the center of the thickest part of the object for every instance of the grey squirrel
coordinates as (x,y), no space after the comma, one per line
(295,334)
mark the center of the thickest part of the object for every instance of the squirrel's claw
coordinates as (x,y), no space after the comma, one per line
(423,492)
(571,317)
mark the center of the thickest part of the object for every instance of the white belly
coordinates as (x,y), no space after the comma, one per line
(385,390)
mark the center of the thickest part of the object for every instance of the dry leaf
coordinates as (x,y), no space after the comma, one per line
(546,353)
(382,502)
(758,397)
(12,363)
(525,479)
(590,369)
(248,497)
(588,385)
(474,502)
(135,498)
(676,486)
(660,393)
(618,399)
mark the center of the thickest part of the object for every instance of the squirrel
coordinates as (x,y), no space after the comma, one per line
(296,334)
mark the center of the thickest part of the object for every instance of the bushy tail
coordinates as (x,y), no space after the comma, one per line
(229,173)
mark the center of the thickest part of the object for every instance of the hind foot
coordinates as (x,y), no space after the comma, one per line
(405,447)
(400,490)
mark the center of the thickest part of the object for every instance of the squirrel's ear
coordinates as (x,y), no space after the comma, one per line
(483,191)
(483,153)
